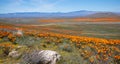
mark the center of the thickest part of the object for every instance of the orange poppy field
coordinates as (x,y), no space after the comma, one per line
(90,42)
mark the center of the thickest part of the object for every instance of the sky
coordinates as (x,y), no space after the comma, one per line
(12,6)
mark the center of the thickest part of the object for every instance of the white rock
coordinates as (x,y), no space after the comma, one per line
(19,32)
(43,57)
(49,56)
(14,54)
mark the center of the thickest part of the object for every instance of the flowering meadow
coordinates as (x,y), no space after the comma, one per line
(73,49)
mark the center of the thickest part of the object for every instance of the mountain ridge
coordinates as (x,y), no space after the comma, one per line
(82,13)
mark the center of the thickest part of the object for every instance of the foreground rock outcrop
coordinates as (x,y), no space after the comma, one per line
(42,57)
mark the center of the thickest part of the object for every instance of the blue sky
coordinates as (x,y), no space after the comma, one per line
(11,6)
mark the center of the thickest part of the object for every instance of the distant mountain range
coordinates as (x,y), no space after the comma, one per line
(82,13)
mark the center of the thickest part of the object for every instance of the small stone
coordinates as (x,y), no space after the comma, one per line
(14,54)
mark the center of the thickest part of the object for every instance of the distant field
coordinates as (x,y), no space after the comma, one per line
(91,27)
(55,20)
(109,31)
